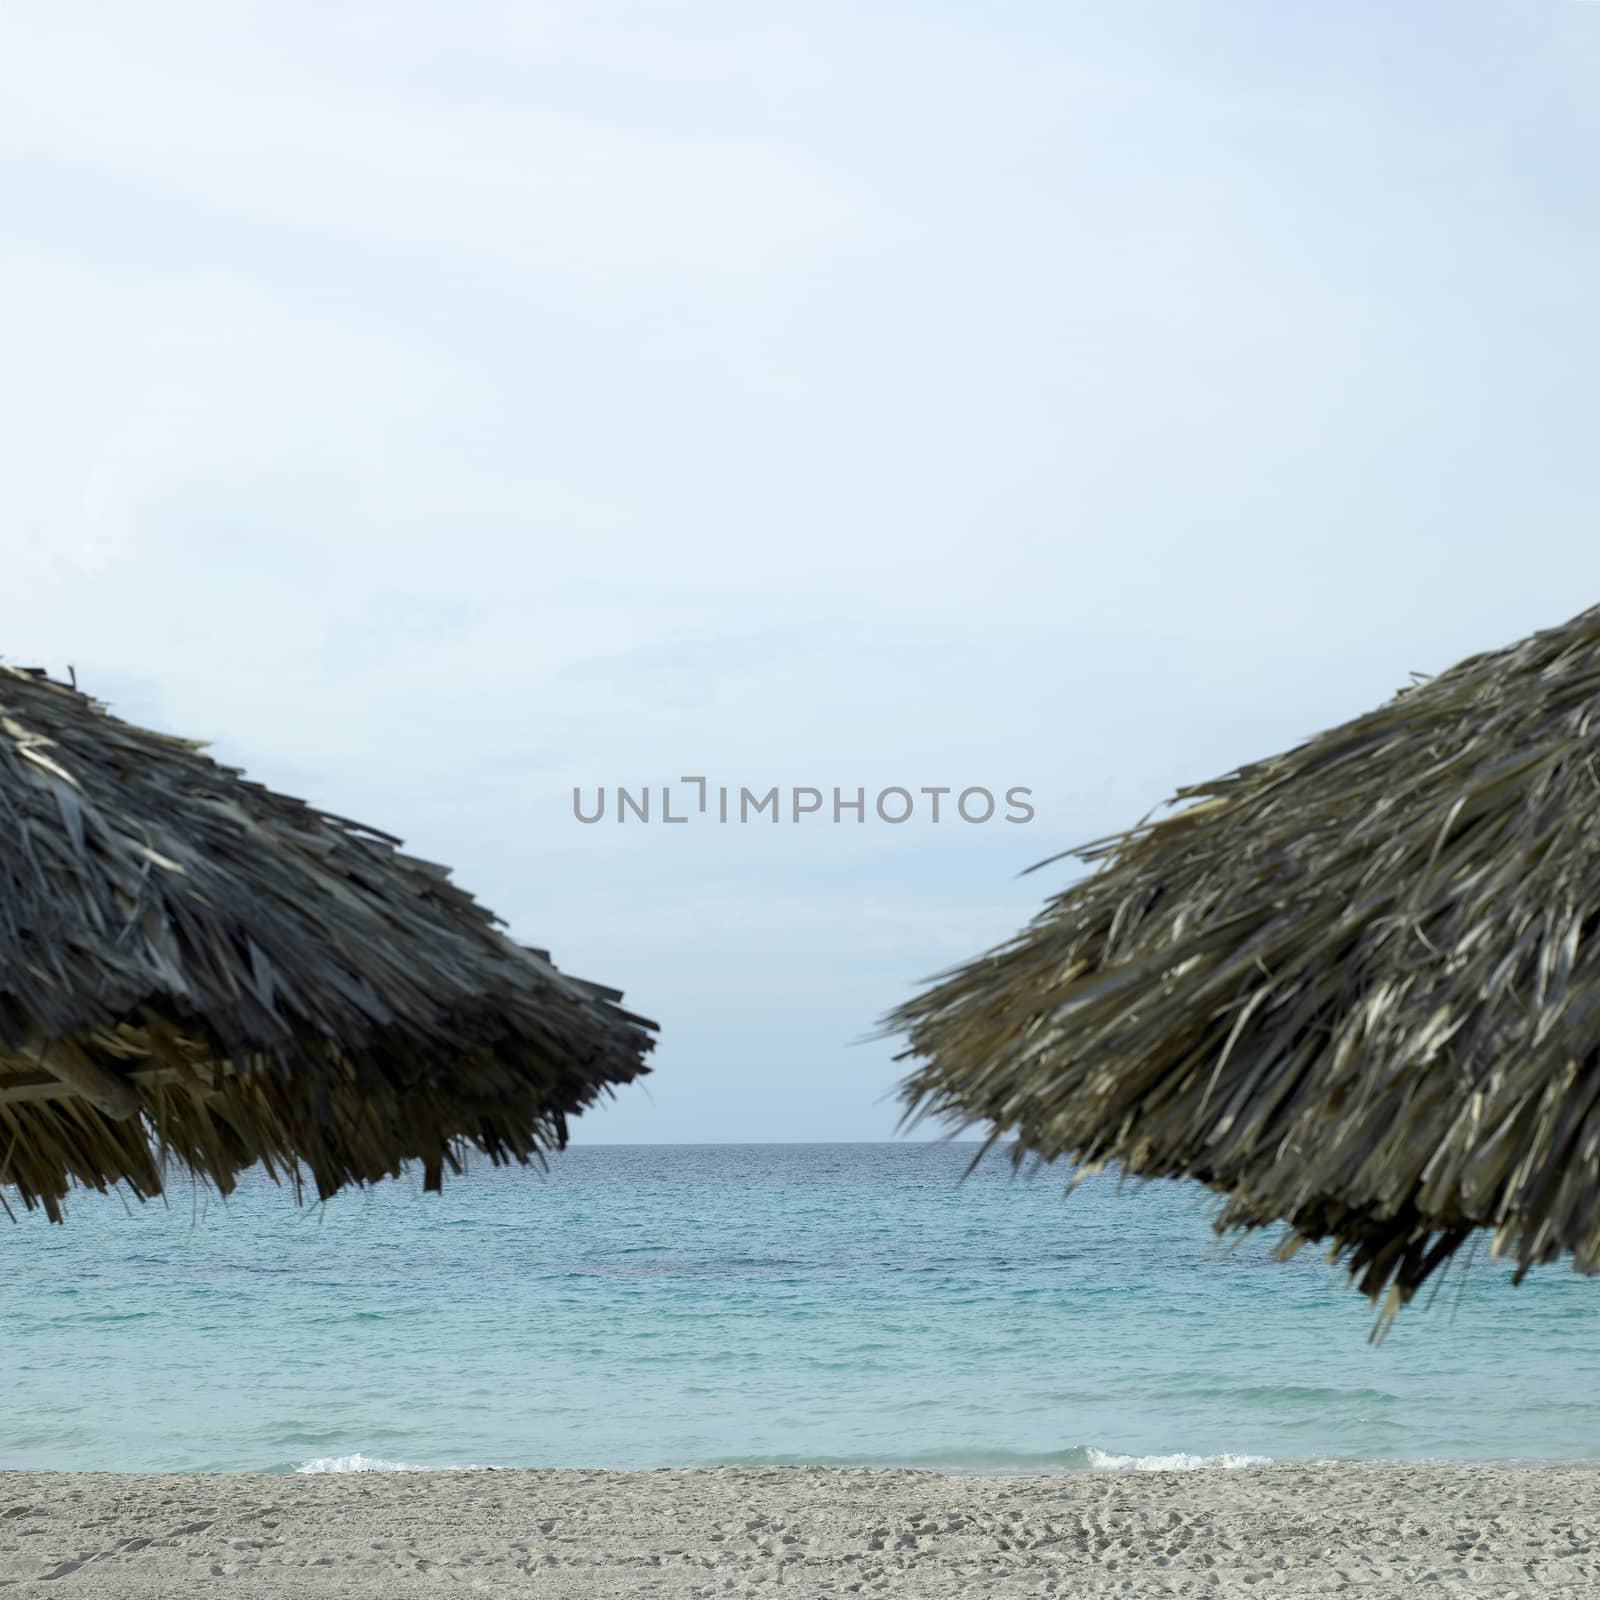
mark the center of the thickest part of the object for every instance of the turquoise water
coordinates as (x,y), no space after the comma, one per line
(663,1305)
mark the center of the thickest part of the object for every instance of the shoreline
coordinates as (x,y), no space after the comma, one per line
(1111,1464)
(1289,1529)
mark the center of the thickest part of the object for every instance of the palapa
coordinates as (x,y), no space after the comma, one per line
(195,967)
(1355,988)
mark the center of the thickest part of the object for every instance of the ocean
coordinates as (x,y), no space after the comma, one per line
(859,1304)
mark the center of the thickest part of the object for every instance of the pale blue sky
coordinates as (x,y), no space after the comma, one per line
(439,407)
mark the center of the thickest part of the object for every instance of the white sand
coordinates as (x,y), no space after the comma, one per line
(1283,1532)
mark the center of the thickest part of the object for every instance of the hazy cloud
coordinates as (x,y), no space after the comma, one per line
(441,411)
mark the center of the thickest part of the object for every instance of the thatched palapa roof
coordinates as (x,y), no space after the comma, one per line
(192,966)
(1355,987)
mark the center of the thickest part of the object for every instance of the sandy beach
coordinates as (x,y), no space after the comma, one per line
(1283,1531)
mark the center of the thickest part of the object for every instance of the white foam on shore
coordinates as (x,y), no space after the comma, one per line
(1178,1461)
(1095,1460)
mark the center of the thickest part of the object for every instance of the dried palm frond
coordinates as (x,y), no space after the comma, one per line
(193,967)
(1354,988)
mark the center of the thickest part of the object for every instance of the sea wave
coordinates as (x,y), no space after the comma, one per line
(1178,1461)
(1079,1458)
(358,1462)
